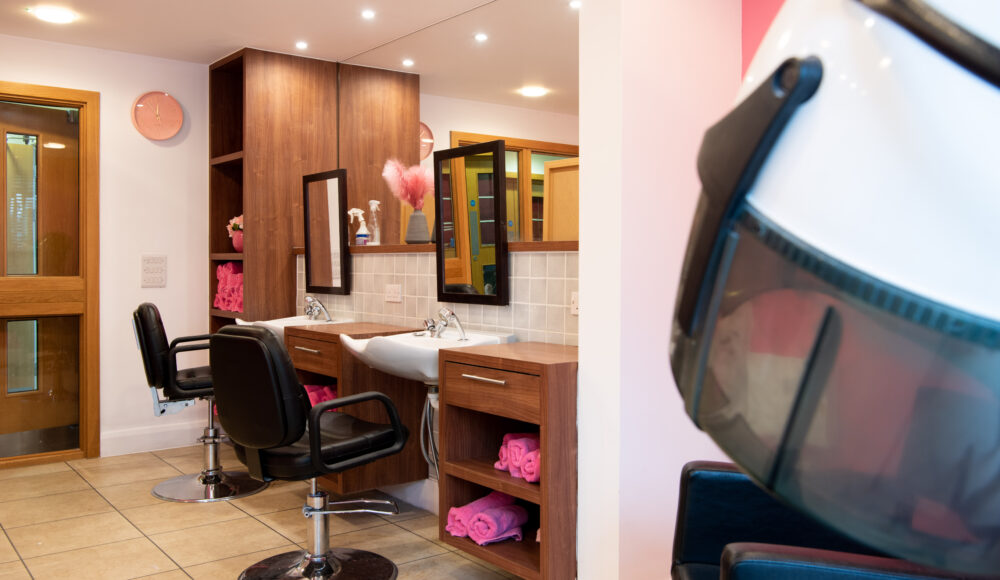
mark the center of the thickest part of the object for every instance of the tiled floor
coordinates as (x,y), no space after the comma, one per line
(95,518)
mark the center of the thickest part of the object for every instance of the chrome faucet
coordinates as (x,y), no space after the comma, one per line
(314,308)
(448,318)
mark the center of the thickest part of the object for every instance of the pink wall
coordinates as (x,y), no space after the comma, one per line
(757,18)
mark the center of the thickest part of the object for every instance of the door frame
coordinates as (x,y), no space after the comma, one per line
(68,295)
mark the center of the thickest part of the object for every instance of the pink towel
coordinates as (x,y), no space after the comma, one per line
(531,467)
(497,524)
(229,293)
(503,463)
(517,449)
(459,517)
(319,393)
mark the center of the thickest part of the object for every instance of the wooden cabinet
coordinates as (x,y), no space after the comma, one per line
(487,391)
(274,118)
(316,350)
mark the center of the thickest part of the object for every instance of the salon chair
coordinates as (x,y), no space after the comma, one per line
(180,389)
(278,435)
(728,527)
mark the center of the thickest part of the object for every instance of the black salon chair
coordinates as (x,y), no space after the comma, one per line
(181,388)
(266,412)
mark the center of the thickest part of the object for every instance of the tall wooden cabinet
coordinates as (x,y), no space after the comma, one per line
(274,118)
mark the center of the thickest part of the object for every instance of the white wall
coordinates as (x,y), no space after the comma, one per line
(153,199)
(654,75)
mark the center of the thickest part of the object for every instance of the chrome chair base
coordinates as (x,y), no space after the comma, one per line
(338,564)
(193,488)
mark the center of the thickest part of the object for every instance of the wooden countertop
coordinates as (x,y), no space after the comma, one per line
(531,353)
(352,329)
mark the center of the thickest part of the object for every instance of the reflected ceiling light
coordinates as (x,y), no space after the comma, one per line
(869,22)
(533,91)
(407,62)
(54,14)
(368,14)
(54,145)
(301,45)
(575,4)
(481,37)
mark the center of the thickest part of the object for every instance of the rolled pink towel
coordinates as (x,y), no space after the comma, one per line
(496,524)
(459,517)
(516,450)
(531,466)
(502,462)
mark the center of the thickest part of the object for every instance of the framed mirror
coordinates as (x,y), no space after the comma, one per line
(328,261)
(471,229)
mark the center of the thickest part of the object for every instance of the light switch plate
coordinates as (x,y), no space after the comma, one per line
(574,304)
(393,293)
(154,271)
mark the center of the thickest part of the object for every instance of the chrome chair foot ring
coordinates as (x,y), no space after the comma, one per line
(198,488)
(341,564)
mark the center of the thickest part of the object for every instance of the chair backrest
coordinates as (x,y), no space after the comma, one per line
(261,403)
(153,345)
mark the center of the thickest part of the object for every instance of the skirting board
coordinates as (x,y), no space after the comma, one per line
(152,437)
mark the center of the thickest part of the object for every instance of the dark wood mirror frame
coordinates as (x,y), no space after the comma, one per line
(311,225)
(502,290)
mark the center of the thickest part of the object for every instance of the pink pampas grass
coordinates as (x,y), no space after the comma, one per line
(409,185)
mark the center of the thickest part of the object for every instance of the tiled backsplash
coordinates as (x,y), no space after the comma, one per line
(539,309)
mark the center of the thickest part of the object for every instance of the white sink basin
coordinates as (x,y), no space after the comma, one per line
(278,325)
(414,355)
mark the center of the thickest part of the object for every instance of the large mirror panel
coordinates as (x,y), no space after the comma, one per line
(328,262)
(471,232)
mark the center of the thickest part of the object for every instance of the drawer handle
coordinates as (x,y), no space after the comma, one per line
(312,350)
(484,379)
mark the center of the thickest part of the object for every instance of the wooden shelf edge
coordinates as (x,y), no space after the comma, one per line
(483,473)
(572,246)
(394,249)
(227,158)
(522,558)
(224,313)
(228,256)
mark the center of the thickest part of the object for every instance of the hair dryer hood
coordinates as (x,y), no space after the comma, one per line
(838,322)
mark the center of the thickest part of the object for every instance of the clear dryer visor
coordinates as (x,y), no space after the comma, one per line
(865,408)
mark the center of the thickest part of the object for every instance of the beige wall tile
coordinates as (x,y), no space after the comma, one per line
(168,516)
(12,472)
(60,536)
(14,571)
(231,567)
(41,485)
(59,506)
(203,544)
(391,541)
(128,559)
(447,565)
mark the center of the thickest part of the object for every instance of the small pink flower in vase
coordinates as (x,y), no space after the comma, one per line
(411,185)
(235,229)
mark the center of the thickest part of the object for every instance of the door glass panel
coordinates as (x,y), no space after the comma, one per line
(22,198)
(40,407)
(538,161)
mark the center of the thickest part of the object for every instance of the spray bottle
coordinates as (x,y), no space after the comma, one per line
(361,237)
(376,232)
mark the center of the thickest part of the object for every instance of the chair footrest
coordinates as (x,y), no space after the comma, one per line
(359,506)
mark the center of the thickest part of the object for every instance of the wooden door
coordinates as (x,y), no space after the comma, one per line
(561,203)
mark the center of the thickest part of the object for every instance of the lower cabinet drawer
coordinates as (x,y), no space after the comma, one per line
(314,355)
(504,393)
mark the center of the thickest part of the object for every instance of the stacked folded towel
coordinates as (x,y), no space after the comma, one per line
(488,519)
(319,393)
(516,450)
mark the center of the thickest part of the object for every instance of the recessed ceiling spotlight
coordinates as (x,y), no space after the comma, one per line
(368,14)
(301,45)
(575,4)
(407,62)
(481,37)
(54,14)
(533,91)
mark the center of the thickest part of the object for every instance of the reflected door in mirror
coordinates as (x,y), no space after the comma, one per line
(327,258)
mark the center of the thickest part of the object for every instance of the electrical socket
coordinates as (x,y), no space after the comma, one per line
(393,293)
(154,271)
(574,304)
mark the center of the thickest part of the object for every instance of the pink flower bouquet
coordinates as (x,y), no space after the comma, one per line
(235,225)
(409,184)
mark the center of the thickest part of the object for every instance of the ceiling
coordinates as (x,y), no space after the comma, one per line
(530,41)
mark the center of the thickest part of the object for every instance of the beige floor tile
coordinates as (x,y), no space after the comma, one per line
(133,468)
(406,511)
(128,559)
(60,506)
(131,495)
(426,527)
(487,565)
(12,472)
(218,541)
(14,571)
(63,535)
(294,526)
(172,575)
(445,566)
(168,516)
(108,461)
(7,553)
(279,496)
(231,567)
(41,485)
(391,541)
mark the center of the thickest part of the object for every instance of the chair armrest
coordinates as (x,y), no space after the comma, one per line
(315,438)
(175,348)
(754,561)
(191,338)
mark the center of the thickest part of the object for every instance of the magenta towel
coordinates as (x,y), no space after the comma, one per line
(516,450)
(503,456)
(459,517)
(229,293)
(319,393)
(502,463)
(531,467)
(497,524)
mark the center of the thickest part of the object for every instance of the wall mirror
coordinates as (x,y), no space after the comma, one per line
(471,231)
(328,262)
